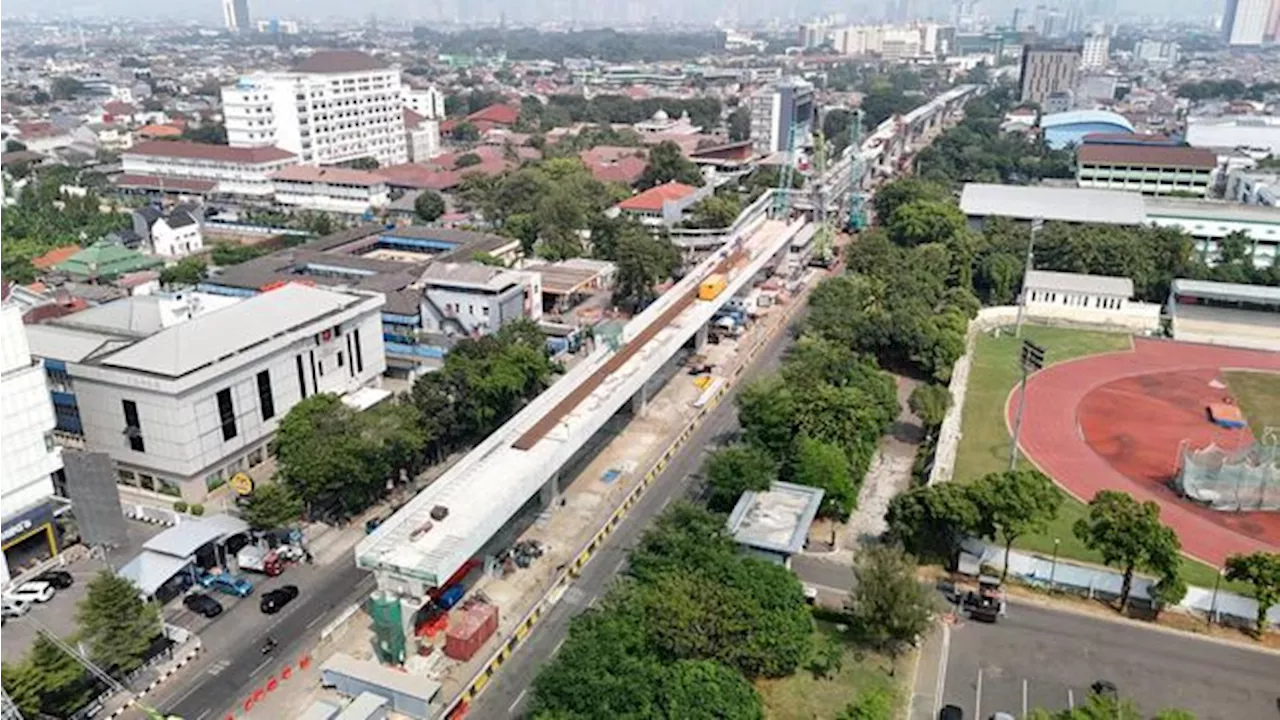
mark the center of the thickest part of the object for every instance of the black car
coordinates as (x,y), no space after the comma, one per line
(203,604)
(59,579)
(274,600)
(951,712)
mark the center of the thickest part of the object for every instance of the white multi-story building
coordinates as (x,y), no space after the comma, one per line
(235,15)
(777,111)
(1157,52)
(1254,188)
(333,107)
(175,235)
(423,136)
(1244,22)
(330,189)
(200,167)
(1095,51)
(427,102)
(30,456)
(470,299)
(184,391)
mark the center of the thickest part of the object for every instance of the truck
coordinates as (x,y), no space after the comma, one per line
(711,287)
(260,560)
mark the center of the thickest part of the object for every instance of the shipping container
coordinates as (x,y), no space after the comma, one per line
(711,287)
(469,632)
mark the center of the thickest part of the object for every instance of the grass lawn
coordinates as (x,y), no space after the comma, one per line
(1259,396)
(804,697)
(984,445)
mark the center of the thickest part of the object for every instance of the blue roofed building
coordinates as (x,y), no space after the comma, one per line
(1061,130)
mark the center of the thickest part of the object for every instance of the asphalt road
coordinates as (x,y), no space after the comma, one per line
(1039,657)
(508,695)
(234,665)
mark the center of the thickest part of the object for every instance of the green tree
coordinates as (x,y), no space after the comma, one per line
(825,465)
(207,132)
(1014,503)
(708,690)
(65,88)
(925,221)
(187,271)
(1169,589)
(735,469)
(930,402)
(931,522)
(905,191)
(827,658)
(667,163)
(465,132)
(115,624)
(1128,535)
(466,160)
(643,261)
(326,458)
(64,686)
(766,410)
(272,505)
(888,608)
(684,536)
(740,124)
(364,163)
(428,206)
(24,683)
(1262,571)
(12,145)
(874,704)
(713,212)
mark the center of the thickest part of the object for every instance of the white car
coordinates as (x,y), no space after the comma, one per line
(14,607)
(33,591)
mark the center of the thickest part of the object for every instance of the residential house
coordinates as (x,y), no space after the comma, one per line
(662,205)
(173,235)
(105,261)
(330,189)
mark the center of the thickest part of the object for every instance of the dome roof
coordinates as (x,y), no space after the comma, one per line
(661,115)
(1083,117)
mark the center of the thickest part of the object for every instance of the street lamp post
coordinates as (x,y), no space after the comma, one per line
(1213,605)
(1036,225)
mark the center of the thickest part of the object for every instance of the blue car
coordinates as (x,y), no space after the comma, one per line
(226,583)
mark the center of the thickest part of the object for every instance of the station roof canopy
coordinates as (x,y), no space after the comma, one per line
(182,540)
(1080,283)
(150,570)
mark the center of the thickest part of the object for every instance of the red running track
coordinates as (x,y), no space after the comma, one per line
(1114,422)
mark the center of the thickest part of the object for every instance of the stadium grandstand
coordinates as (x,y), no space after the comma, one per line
(1225,314)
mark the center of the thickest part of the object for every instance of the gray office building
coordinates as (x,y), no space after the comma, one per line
(1047,70)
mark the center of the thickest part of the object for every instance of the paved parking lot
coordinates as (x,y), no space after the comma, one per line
(1041,658)
(59,614)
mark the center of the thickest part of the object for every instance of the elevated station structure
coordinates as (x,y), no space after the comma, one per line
(453,520)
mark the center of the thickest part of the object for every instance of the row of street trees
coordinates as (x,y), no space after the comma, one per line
(116,629)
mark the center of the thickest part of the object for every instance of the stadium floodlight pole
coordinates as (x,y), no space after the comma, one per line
(1031,359)
(1036,224)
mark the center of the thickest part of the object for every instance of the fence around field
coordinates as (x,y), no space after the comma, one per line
(1098,582)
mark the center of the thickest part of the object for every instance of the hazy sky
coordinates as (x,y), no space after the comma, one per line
(209,11)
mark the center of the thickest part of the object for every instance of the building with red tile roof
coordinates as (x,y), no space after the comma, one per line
(1149,169)
(609,163)
(54,256)
(242,171)
(662,204)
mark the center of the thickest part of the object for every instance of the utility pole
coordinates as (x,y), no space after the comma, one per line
(1032,359)
(1036,224)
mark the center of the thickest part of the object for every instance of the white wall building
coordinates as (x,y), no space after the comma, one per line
(471,299)
(1087,299)
(243,171)
(1157,52)
(422,136)
(183,391)
(30,456)
(1254,188)
(332,107)
(235,15)
(330,189)
(1244,22)
(776,110)
(1096,49)
(175,235)
(427,102)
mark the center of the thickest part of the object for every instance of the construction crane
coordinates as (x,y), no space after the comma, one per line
(824,240)
(857,197)
(786,177)
(99,673)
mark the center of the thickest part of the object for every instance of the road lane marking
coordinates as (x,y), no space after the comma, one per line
(1071,699)
(204,714)
(556,649)
(942,672)
(511,710)
(1024,697)
(261,665)
(977,702)
(315,620)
